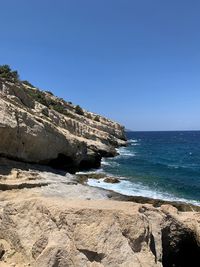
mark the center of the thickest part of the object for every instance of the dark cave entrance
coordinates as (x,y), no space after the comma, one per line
(86,164)
(63,162)
(180,247)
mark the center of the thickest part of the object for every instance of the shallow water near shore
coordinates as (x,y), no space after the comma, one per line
(160,165)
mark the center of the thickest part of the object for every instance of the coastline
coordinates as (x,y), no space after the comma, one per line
(113,195)
(50,217)
(167,175)
(35,180)
(70,222)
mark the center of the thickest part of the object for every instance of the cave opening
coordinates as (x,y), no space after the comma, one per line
(63,162)
(87,164)
(180,247)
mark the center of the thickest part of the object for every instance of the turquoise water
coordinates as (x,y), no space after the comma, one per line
(163,165)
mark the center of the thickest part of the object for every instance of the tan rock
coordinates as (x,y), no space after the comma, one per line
(32,132)
(55,232)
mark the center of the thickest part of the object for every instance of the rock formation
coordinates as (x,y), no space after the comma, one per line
(48,219)
(52,232)
(38,127)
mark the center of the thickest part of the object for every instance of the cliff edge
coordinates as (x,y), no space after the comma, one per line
(38,127)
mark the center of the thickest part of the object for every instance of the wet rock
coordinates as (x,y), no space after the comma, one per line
(83,178)
(111,180)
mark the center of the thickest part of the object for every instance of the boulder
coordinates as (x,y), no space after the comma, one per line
(111,180)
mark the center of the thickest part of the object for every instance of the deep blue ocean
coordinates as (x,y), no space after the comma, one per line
(164,165)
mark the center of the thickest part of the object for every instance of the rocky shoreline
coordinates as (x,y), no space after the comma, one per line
(180,205)
(68,223)
(18,176)
(52,218)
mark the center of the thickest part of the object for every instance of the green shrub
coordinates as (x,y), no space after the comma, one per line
(79,110)
(8,74)
(41,97)
(38,96)
(89,116)
(58,107)
(97,118)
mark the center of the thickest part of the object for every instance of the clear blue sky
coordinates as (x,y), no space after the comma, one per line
(137,62)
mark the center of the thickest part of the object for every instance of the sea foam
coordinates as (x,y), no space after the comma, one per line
(128,188)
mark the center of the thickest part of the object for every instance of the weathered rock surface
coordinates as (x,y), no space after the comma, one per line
(37,133)
(54,232)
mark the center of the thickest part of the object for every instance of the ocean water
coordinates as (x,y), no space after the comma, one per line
(164,165)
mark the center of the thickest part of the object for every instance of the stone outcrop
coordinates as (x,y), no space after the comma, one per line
(38,127)
(48,233)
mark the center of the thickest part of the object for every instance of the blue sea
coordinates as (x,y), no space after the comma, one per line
(160,165)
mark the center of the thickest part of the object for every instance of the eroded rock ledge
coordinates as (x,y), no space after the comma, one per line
(38,127)
(53,232)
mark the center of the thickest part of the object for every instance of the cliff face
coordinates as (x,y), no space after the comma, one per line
(40,128)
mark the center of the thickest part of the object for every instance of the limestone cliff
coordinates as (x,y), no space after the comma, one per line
(37,127)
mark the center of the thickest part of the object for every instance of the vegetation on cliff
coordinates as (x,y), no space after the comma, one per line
(43,97)
(8,74)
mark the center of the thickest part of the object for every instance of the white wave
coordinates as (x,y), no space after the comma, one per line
(105,163)
(132,141)
(109,162)
(123,151)
(91,171)
(137,189)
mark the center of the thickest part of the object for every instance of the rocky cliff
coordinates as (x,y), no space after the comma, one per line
(37,127)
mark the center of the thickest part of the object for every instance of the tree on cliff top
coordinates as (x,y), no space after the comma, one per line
(7,73)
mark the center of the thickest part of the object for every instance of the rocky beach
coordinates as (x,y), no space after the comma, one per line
(50,217)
